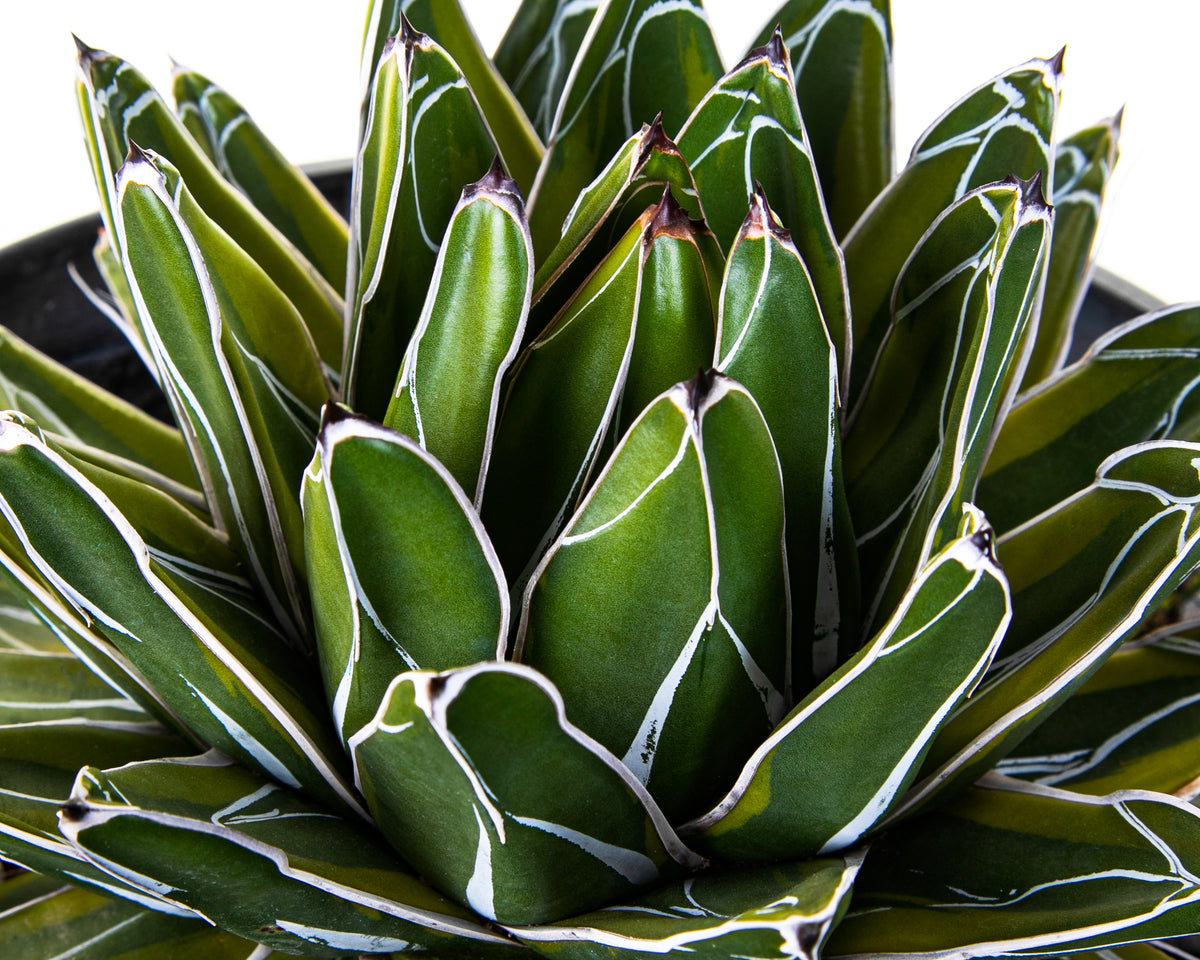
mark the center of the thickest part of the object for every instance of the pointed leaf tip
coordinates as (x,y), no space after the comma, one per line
(776,50)
(1117,120)
(494,182)
(761,220)
(334,412)
(73,811)
(669,219)
(1032,192)
(985,542)
(1055,63)
(699,388)
(85,53)
(654,137)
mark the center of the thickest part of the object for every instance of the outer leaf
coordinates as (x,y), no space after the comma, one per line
(773,339)
(20,628)
(1062,872)
(784,910)
(842,54)
(673,571)
(223,671)
(639,58)
(1001,129)
(403,574)
(38,686)
(918,440)
(746,131)
(1083,164)
(279,190)
(1084,576)
(1135,383)
(306,881)
(40,917)
(423,138)
(447,395)
(120,307)
(838,763)
(536,53)
(478,778)
(121,109)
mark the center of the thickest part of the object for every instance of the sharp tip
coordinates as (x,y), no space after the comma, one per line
(85,53)
(1117,120)
(776,49)
(495,181)
(984,541)
(668,218)
(699,388)
(335,412)
(761,220)
(73,811)
(1055,63)
(1033,190)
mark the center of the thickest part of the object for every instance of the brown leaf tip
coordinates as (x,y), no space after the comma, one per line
(699,388)
(1032,192)
(333,413)
(669,219)
(774,53)
(654,140)
(1055,63)
(761,221)
(73,811)
(85,53)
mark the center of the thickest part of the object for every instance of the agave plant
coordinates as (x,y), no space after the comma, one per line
(651,524)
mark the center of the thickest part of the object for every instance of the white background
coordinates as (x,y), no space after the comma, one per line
(294,65)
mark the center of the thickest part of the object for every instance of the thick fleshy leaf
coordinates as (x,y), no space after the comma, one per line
(307,882)
(672,576)
(119,305)
(640,59)
(1084,575)
(403,574)
(1134,725)
(772,338)
(1061,871)
(20,628)
(844,756)
(120,109)
(842,56)
(1002,129)
(642,322)
(38,686)
(480,781)
(748,131)
(447,395)
(782,910)
(41,917)
(279,190)
(916,444)
(1083,164)
(423,139)
(224,672)
(235,356)
(1135,383)
(536,53)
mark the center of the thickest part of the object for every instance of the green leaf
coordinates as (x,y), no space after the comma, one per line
(842,54)
(773,339)
(206,650)
(403,574)
(747,131)
(1001,129)
(447,25)
(784,909)
(1011,867)
(672,576)
(280,191)
(119,306)
(289,874)
(423,138)
(233,351)
(121,109)
(640,58)
(839,761)
(917,441)
(40,918)
(1084,576)
(40,686)
(447,395)
(536,53)
(20,628)
(1083,164)
(479,780)
(1134,384)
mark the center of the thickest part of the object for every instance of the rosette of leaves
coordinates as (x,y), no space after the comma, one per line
(456,613)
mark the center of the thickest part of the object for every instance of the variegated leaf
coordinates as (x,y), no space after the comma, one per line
(842,56)
(225,674)
(118,306)
(1002,129)
(772,338)
(748,132)
(403,574)
(536,53)
(672,573)
(845,755)
(120,109)
(279,190)
(917,441)
(307,881)
(20,628)
(1083,164)
(639,59)
(423,138)
(447,395)
(777,911)
(1012,868)
(1135,383)
(478,778)
(1084,575)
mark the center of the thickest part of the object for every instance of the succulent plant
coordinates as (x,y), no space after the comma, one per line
(651,524)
